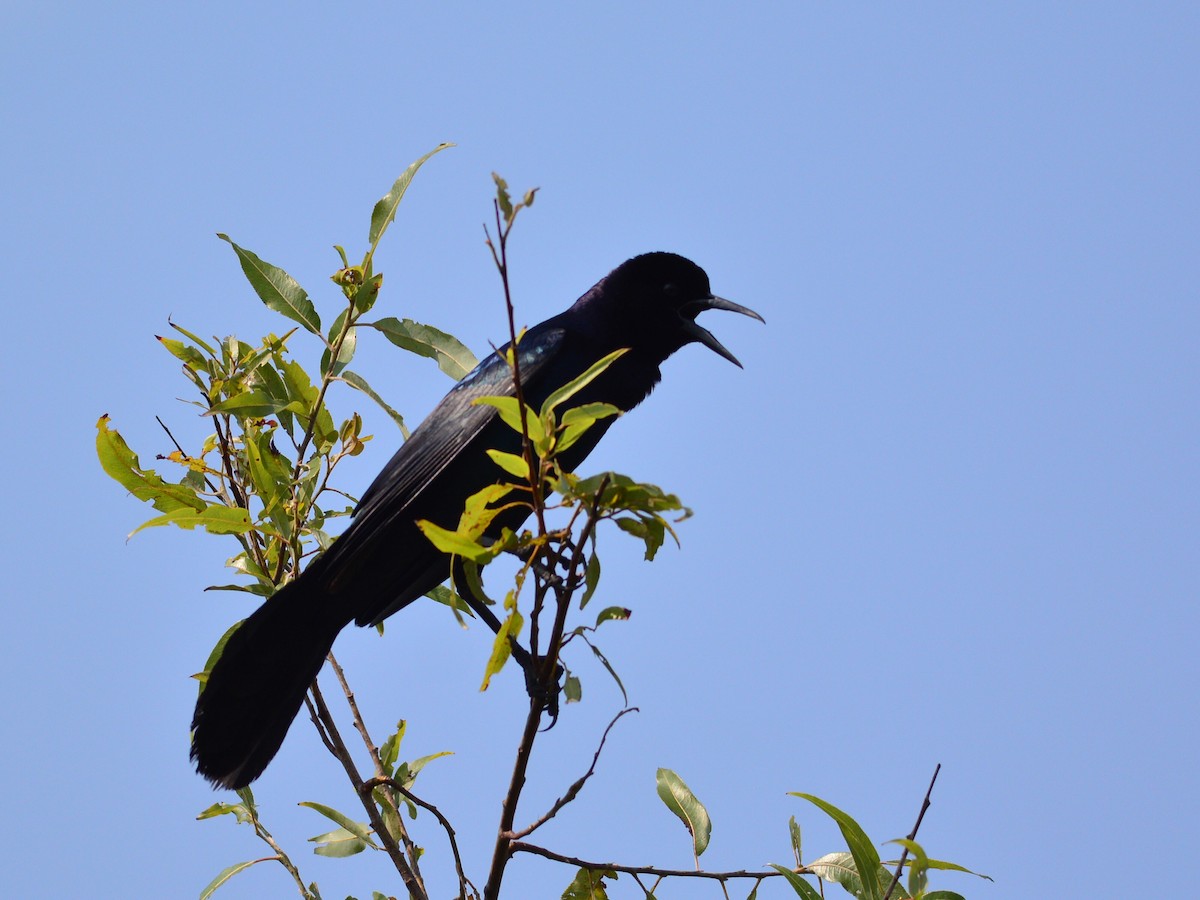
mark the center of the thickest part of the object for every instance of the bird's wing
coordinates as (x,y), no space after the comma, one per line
(454,423)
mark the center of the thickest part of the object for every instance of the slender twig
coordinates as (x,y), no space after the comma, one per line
(912,835)
(576,787)
(522,847)
(360,726)
(316,720)
(359,723)
(385,781)
(410,878)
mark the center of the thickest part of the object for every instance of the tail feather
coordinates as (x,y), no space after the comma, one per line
(258,684)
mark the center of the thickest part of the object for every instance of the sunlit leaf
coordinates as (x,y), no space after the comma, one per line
(510,463)
(452,356)
(277,289)
(360,830)
(359,383)
(866,857)
(510,413)
(588,884)
(798,884)
(185,352)
(456,544)
(611,614)
(680,800)
(215,519)
(121,464)
(501,647)
(225,874)
(575,385)
(338,844)
(385,209)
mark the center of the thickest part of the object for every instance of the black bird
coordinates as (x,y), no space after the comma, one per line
(383,562)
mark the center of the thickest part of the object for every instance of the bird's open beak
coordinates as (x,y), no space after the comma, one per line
(703,335)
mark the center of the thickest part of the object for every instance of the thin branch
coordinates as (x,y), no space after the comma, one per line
(508,810)
(359,723)
(522,847)
(411,880)
(912,835)
(385,781)
(575,788)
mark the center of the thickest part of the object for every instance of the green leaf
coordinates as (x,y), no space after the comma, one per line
(866,858)
(360,830)
(572,689)
(611,671)
(588,884)
(227,873)
(452,356)
(478,511)
(578,420)
(840,868)
(121,464)
(247,405)
(345,352)
(338,844)
(195,340)
(917,866)
(225,809)
(799,885)
(457,544)
(591,578)
(510,463)
(216,519)
(943,895)
(277,289)
(575,385)
(501,648)
(612,613)
(357,382)
(794,831)
(385,209)
(680,800)
(510,413)
(502,197)
(447,597)
(389,750)
(190,356)
(651,530)
(421,762)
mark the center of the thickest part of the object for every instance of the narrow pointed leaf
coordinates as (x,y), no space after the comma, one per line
(866,857)
(798,884)
(360,830)
(216,519)
(510,463)
(501,648)
(575,385)
(452,356)
(249,405)
(225,874)
(357,382)
(457,544)
(121,464)
(385,209)
(277,289)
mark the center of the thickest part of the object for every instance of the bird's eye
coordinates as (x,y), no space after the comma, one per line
(671,290)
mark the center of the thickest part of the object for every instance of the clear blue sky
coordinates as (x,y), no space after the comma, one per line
(947,513)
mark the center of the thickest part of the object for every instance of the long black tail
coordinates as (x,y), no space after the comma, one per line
(257,686)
